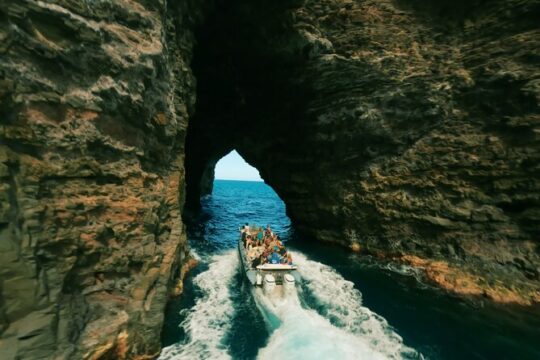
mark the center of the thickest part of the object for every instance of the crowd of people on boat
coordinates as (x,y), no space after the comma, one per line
(263,246)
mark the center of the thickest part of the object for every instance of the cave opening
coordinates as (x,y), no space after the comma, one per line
(244,61)
(234,167)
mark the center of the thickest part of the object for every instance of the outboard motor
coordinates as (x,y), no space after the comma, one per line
(288,282)
(269,283)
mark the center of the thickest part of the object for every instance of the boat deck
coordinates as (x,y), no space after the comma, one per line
(277,270)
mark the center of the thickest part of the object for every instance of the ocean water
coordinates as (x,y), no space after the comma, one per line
(346,307)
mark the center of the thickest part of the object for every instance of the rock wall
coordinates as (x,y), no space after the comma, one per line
(405,129)
(401,128)
(94,103)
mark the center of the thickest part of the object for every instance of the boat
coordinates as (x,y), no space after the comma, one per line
(271,278)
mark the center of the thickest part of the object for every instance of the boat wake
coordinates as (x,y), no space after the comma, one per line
(303,333)
(323,319)
(209,320)
(336,299)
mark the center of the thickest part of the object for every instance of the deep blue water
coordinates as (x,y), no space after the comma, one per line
(347,306)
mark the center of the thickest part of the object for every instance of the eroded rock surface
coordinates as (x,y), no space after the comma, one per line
(393,127)
(402,128)
(94,102)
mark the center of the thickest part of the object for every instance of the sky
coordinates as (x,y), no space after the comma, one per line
(233,167)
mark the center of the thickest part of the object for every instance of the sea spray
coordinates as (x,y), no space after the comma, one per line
(337,300)
(304,334)
(209,320)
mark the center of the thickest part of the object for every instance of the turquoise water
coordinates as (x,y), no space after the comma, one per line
(347,307)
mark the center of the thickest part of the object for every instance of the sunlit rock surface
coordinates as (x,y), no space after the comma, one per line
(394,127)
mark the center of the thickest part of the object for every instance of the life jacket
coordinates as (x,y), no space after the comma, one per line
(274,258)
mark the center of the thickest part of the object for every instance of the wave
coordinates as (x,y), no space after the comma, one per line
(324,319)
(209,320)
(303,333)
(338,327)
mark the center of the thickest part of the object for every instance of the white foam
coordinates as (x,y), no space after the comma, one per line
(341,303)
(209,319)
(195,255)
(341,328)
(304,334)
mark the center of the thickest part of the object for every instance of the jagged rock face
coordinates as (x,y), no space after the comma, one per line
(400,128)
(94,103)
(397,127)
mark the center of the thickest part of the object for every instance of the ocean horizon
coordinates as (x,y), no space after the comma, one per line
(239,180)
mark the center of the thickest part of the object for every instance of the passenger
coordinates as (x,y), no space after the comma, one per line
(268,231)
(254,252)
(244,233)
(248,241)
(289,259)
(256,262)
(265,254)
(245,229)
(274,258)
(274,243)
(260,235)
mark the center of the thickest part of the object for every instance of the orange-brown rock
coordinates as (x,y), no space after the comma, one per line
(393,127)
(188,265)
(94,103)
(459,281)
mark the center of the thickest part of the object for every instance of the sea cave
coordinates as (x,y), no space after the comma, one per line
(400,130)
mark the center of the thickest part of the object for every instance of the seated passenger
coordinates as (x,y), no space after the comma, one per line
(289,259)
(256,262)
(274,258)
(273,244)
(283,259)
(247,242)
(268,231)
(254,253)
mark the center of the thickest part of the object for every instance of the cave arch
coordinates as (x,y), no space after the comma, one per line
(200,178)
(369,142)
(244,61)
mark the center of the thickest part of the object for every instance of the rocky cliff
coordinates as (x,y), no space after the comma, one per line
(401,128)
(404,129)
(94,103)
